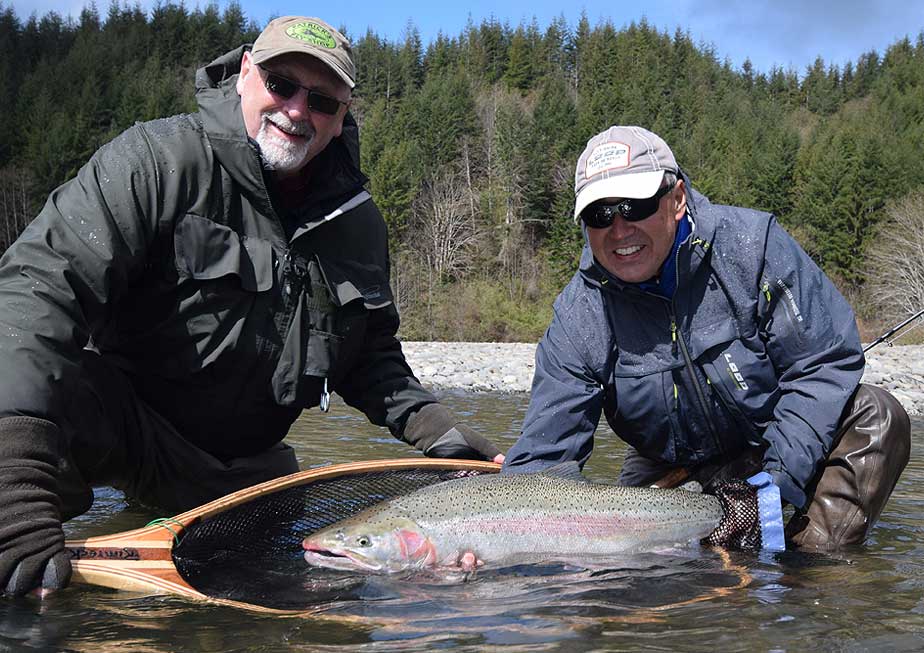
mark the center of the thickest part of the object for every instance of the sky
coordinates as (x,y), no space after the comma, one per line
(786,33)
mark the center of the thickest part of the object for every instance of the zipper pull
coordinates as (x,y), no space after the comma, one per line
(287,273)
(295,270)
(673,337)
(325,398)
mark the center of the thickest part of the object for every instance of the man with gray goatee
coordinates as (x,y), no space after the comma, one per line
(717,350)
(201,281)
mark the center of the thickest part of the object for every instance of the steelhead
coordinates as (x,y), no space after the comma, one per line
(508,518)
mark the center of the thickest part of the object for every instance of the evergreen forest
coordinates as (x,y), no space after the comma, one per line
(470,142)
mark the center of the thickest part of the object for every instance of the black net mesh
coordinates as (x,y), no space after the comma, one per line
(252,553)
(740,526)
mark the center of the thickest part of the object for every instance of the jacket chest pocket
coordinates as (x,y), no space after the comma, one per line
(222,279)
(740,372)
(207,251)
(328,325)
(640,409)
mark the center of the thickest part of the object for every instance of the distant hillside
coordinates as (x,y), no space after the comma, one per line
(470,141)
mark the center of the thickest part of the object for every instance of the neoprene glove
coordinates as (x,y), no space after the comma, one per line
(438,434)
(32,552)
(753,515)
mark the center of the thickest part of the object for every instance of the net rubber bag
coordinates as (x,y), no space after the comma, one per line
(252,553)
(740,527)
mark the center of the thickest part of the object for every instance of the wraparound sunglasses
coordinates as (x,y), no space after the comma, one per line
(286,88)
(601,213)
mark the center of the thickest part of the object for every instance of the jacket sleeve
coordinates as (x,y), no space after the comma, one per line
(812,339)
(59,280)
(381,383)
(564,408)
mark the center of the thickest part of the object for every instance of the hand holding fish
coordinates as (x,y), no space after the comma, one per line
(436,432)
(462,441)
(752,515)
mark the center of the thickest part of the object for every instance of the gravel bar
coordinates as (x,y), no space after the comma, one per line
(508,367)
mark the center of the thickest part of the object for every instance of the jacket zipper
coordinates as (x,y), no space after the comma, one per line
(688,363)
(701,397)
(677,338)
(770,292)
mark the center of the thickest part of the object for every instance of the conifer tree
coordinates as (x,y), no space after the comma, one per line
(493,118)
(519,70)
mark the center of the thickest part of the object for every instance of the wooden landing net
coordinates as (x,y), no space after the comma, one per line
(244,549)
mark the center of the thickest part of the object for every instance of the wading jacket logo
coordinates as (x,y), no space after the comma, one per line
(797,314)
(736,375)
(312,33)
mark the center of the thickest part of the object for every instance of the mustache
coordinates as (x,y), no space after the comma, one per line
(282,121)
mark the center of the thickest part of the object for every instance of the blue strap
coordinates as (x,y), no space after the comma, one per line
(770,508)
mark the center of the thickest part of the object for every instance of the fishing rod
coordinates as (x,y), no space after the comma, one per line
(888,334)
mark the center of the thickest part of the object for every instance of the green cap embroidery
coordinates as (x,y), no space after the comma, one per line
(312,33)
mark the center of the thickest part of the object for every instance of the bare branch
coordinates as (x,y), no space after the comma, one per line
(446,228)
(897,260)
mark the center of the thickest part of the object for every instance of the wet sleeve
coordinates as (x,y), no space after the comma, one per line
(564,409)
(381,383)
(811,336)
(61,278)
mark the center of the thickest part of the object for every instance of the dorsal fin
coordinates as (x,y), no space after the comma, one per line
(568,469)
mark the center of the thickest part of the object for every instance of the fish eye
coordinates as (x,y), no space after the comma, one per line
(364,540)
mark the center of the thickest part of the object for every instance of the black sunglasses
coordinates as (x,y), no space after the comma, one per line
(286,88)
(601,213)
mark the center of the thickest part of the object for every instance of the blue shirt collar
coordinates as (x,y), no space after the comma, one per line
(665,283)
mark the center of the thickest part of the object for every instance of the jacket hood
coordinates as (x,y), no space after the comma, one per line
(337,167)
(704,225)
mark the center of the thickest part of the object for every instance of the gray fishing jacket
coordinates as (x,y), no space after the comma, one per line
(756,348)
(167,253)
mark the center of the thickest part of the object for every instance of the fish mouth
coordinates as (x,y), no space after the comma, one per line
(320,556)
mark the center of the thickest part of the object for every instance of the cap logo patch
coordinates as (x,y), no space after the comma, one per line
(607,156)
(312,33)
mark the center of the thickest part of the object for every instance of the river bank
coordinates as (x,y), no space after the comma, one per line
(508,367)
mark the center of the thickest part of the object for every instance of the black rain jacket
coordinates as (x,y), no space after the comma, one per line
(168,255)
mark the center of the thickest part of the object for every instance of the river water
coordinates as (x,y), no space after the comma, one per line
(871,597)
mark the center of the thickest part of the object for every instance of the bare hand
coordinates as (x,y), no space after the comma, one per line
(468,561)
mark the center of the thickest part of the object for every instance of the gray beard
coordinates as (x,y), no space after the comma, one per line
(281,155)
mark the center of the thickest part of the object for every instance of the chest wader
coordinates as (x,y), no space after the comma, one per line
(113,437)
(851,487)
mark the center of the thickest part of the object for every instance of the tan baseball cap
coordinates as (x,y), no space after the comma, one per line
(306,35)
(621,162)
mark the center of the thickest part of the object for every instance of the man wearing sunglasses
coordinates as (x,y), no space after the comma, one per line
(718,351)
(201,281)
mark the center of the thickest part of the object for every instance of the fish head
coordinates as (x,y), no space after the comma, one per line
(371,545)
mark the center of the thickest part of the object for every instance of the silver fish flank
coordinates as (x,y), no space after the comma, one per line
(513,518)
